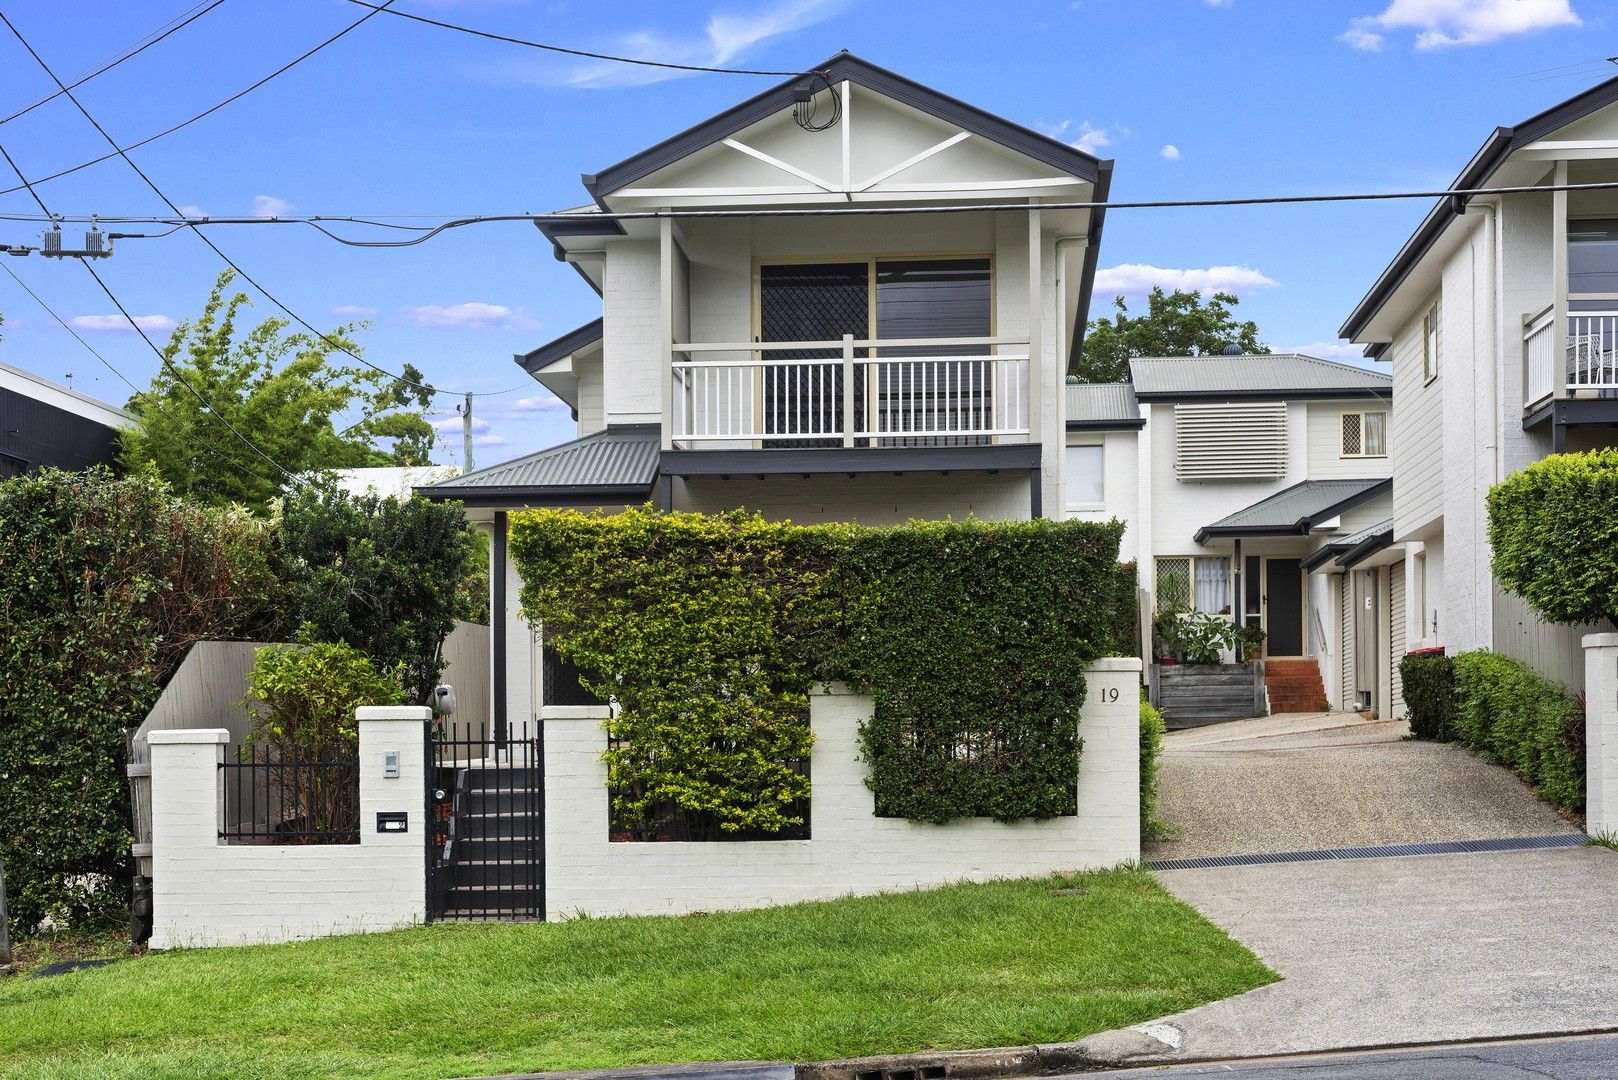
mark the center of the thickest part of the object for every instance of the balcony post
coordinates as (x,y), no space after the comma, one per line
(1559,282)
(665,327)
(848,390)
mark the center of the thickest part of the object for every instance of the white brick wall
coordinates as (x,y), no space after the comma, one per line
(851,851)
(1601,734)
(866,498)
(205,892)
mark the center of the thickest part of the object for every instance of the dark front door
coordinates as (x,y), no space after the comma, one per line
(1283,607)
(810,302)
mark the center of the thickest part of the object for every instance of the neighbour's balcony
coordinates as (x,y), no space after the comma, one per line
(1590,356)
(856,392)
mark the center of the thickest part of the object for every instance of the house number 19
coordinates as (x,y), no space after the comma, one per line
(1109,693)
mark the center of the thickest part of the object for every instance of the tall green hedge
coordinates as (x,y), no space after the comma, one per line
(1152,730)
(104,584)
(1553,528)
(1505,709)
(709,632)
(1429,692)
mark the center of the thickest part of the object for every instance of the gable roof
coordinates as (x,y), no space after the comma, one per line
(1102,407)
(1259,375)
(614,464)
(845,66)
(564,346)
(1501,144)
(1295,510)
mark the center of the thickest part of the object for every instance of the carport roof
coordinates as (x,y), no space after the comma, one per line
(1295,510)
(617,463)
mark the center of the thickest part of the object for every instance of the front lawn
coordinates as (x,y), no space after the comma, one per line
(1002,964)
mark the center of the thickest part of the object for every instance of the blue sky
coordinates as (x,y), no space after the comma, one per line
(1254,97)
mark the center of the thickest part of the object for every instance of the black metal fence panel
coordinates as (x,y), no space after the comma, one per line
(269,800)
(486,823)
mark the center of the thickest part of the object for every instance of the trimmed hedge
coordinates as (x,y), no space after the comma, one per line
(708,632)
(1152,729)
(1429,693)
(1505,709)
(1553,528)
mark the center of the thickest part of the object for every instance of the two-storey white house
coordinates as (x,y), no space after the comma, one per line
(1500,314)
(851,297)
(1255,488)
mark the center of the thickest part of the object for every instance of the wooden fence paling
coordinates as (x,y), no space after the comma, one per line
(139,771)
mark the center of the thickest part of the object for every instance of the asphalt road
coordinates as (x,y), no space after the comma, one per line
(1589,1057)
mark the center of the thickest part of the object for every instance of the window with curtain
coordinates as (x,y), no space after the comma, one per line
(1212,577)
(1365,434)
(1200,583)
(1086,479)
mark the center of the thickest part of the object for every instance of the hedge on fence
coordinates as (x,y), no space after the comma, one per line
(710,631)
(1151,749)
(1554,532)
(104,584)
(1429,692)
(1505,709)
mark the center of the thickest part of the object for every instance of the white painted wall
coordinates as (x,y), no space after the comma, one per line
(592,402)
(1418,438)
(1325,442)
(205,892)
(631,389)
(1601,734)
(866,498)
(851,850)
(1121,463)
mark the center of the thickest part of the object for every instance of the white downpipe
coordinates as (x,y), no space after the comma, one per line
(1484,583)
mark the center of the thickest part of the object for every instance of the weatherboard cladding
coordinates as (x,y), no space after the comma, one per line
(1169,377)
(1296,508)
(617,457)
(1097,405)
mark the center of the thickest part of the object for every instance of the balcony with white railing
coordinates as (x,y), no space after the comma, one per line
(1589,357)
(850,393)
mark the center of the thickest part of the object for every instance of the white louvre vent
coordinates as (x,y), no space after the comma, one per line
(1230,441)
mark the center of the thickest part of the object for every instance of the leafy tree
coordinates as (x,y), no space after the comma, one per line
(1180,323)
(381,575)
(283,391)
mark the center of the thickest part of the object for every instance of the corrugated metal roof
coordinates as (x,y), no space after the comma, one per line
(1102,404)
(1365,534)
(1268,373)
(1297,508)
(624,456)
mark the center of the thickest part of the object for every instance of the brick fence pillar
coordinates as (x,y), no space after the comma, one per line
(1601,734)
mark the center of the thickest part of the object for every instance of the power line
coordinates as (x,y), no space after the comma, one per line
(180,22)
(489,35)
(193,225)
(162,357)
(23,285)
(120,150)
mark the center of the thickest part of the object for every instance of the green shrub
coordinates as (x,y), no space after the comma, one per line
(1202,638)
(379,574)
(708,632)
(1553,528)
(104,585)
(1508,711)
(1429,693)
(1151,749)
(306,696)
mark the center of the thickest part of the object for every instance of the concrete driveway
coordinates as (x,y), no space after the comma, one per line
(1309,781)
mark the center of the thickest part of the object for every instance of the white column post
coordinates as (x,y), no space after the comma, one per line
(187,806)
(1109,724)
(1601,734)
(665,326)
(1559,283)
(1050,442)
(848,390)
(385,730)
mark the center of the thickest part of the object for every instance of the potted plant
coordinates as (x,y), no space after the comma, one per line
(1204,638)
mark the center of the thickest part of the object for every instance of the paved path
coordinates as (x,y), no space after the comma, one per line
(1307,781)
(1578,1058)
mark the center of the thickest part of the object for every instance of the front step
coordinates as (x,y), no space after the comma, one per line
(1294,686)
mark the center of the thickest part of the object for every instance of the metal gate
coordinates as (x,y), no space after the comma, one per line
(486,814)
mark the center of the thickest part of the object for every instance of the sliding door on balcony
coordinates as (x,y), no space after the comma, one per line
(803,388)
(1592,307)
(932,395)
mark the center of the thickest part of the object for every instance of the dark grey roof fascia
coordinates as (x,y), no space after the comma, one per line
(1377,541)
(1302,525)
(564,346)
(1378,393)
(1501,144)
(845,66)
(1106,425)
(894,459)
(1320,556)
(537,496)
(1092,258)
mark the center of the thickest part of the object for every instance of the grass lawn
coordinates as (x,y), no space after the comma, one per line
(1007,963)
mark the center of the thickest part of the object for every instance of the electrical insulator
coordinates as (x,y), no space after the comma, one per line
(53,240)
(93,238)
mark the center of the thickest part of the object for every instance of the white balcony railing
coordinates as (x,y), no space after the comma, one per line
(837,397)
(1539,357)
(1592,350)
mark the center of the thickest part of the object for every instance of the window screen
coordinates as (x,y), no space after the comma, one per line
(1085,480)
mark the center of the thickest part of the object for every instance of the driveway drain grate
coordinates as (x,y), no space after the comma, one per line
(1448,847)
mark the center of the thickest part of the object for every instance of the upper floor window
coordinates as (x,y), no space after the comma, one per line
(1230,441)
(1365,434)
(1429,344)
(1592,255)
(1086,478)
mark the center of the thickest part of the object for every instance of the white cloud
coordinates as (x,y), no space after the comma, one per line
(192,211)
(1443,24)
(489,440)
(353,311)
(473,313)
(1221,3)
(1330,350)
(1090,138)
(727,36)
(1137,279)
(1170,152)
(451,425)
(152,324)
(268,206)
(543,403)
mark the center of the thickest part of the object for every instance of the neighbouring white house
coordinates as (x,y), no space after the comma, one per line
(44,424)
(771,351)
(1256,488)
(1500,314)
